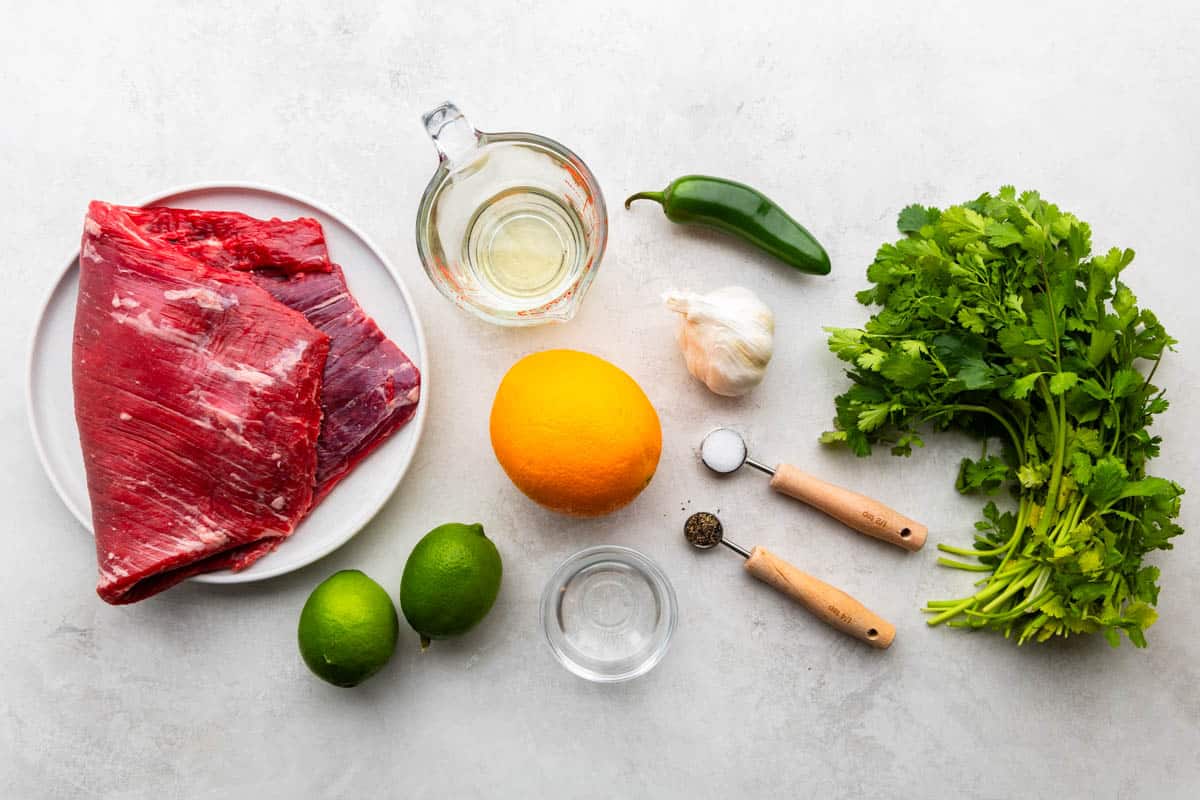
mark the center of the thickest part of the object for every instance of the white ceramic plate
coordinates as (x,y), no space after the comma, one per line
(374,283)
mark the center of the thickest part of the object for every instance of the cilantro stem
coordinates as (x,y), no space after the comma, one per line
(1048,293)
(1018,526)
(957,608)
(1154,368)
(1051,406)
(1116,429)
(1034,625)
(1018,530)
(1033,601)
(1072,521)
(949,562)
(950,613)
(1013,587)
(1012,434)
(961,551)
(1049,512)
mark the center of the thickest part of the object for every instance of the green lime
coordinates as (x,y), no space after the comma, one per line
(348,628)
(450,581)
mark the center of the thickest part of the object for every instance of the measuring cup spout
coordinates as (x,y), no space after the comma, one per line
(452,135)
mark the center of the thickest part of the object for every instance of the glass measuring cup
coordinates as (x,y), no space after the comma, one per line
(512,226)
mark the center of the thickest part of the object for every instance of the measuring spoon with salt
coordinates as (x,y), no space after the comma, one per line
(827,603)
(724,451)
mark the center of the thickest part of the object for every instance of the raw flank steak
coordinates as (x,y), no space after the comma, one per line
(197,397)
(190,352)
(231,240)
(370,387)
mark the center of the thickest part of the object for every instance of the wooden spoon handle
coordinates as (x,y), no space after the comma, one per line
(830,605)
(858,511)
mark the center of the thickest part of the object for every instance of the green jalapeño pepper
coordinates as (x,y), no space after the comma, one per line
(746,213)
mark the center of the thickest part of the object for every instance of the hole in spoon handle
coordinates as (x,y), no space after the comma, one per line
(862,513)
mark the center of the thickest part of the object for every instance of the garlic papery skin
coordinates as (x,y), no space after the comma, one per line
(727,337)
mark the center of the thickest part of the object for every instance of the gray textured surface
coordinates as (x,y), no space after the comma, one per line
(845,113)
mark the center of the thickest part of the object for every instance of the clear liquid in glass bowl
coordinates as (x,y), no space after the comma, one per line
(524,246)
(609,613)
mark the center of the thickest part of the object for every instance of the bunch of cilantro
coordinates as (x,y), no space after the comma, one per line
(997,320)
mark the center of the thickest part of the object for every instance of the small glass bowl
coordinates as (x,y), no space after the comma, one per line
(609,613)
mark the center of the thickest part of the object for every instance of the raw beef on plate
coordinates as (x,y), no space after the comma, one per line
(197,401)
(368,388)
(231,240)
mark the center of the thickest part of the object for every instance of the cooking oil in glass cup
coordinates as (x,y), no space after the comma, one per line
(513,225)
(525,243)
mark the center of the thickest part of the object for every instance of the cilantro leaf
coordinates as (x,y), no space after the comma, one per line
(1125,382)
(846,342)
(915,217)
(1003,234)
(1022,386)
(1108,481)
(986,475)
(1063,381)
(872,416)
(905,370)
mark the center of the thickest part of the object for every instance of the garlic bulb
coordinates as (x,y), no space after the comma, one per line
(726,336)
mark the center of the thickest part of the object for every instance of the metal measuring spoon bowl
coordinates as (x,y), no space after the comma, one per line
(704,530)
(724,451)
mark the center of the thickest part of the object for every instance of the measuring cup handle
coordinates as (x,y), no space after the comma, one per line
(858,511)
(829,604)
(452,135)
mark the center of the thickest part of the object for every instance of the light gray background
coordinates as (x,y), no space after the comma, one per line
(845,113)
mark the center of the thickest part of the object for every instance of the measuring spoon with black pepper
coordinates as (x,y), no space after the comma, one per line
(827,603)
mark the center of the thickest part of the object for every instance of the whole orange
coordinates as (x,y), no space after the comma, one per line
(574,432)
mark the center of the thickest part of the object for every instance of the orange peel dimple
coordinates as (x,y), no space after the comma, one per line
(575,433)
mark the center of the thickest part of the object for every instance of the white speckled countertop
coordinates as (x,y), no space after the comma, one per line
(844,112)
